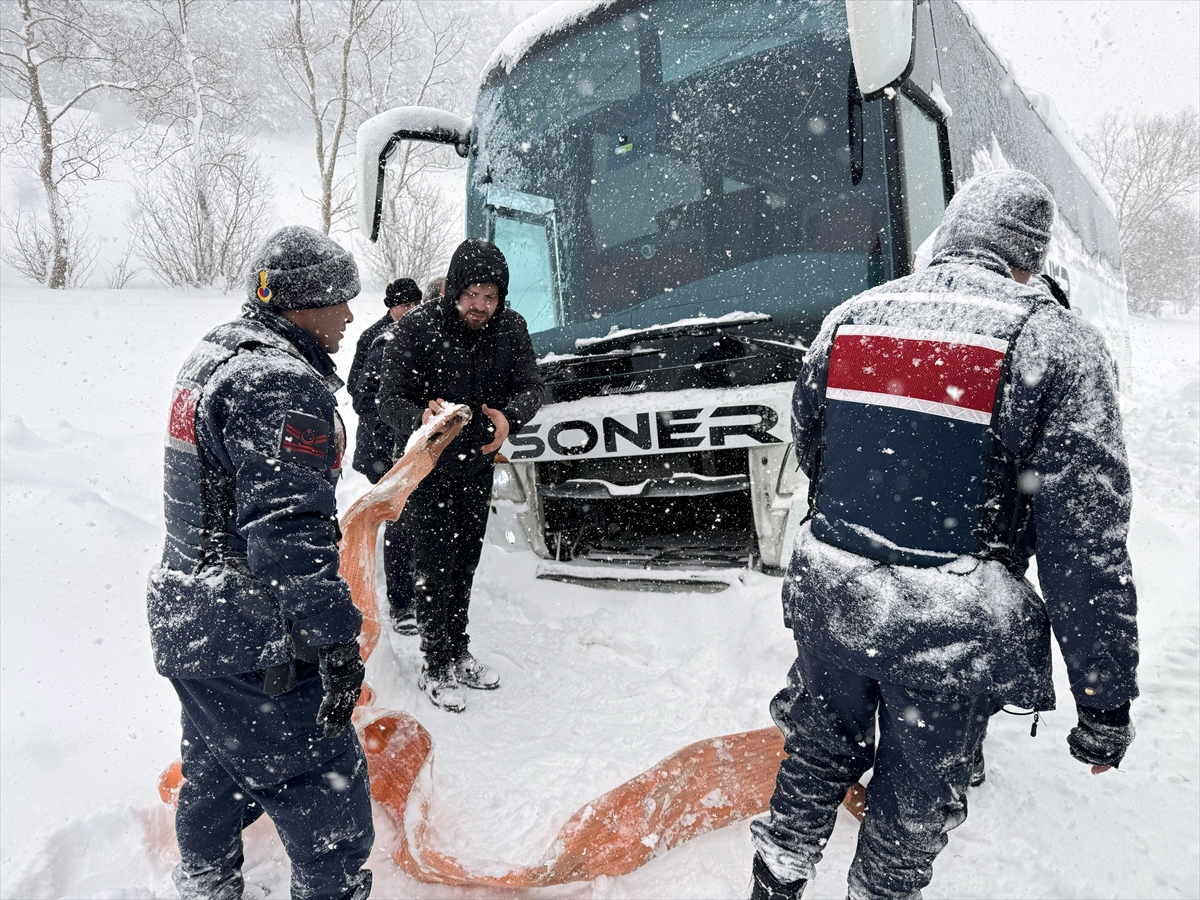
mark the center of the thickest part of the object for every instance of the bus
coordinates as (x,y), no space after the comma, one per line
(683,190)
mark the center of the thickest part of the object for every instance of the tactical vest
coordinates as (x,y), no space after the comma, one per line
(910,468)
(198,493)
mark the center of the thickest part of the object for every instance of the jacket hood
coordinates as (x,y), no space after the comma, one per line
(1000,220)
(475,262)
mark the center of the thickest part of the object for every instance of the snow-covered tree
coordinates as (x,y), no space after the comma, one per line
(318,54)
(426,69)
(202,195)
(1151,166)
(54,56)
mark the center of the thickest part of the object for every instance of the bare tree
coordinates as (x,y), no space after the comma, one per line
(29,245)
(1151,166)
(202,194)
(317,53)
(189,243)
(425,69)
(53,55)
(420,233)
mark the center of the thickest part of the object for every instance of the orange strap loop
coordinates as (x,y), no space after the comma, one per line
(705,786)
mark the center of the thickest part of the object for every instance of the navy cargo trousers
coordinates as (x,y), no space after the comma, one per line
(918,792)
(246,753)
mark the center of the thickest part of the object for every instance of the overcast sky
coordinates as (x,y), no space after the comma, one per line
(1094,56)
(1090,56)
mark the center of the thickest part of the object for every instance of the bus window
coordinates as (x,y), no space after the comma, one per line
(526,246)
(921,164)
(725,32)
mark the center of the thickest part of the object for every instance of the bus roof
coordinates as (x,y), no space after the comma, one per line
(566,16)
(561,17)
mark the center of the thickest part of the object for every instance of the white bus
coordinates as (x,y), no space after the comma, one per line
(683,190)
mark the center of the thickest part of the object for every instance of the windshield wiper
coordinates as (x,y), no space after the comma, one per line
(626,336)
(557,361)
(773,348)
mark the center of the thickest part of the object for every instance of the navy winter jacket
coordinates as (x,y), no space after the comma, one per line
(957,622)
(249,576)
(374,442)
(362,350)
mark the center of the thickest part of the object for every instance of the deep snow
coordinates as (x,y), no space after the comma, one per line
(598,685)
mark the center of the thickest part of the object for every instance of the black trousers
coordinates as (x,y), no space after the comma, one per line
(445,519)
(246,753)
(398,570)
(918,792)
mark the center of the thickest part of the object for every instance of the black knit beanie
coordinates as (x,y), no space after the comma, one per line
(476,262)
(300,268)
(1005,214)
(400,292)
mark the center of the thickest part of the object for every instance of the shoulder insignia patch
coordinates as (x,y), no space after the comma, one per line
(305,439)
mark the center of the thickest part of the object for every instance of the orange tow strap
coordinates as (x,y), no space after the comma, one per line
(705,786)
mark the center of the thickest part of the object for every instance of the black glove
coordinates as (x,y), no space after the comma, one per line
(1102,736)
(341,677)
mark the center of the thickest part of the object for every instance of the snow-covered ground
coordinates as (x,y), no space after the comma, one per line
(597,685)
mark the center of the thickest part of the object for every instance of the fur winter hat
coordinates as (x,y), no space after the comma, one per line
(300,268)
(476,262)
(1006,214)
(400,292)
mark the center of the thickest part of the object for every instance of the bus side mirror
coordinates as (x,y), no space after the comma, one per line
(378,138)
(882,42)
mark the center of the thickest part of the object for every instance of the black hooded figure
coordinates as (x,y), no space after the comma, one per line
(468,348)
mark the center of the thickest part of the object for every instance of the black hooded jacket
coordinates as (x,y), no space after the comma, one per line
(436,355)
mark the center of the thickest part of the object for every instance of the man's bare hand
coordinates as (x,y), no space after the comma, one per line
(500,424)
(435,407)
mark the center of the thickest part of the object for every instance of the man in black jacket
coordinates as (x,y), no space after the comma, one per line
(467,348)
(401,297)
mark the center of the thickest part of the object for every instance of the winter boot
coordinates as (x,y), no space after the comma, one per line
(978,769)
(471,673)
(442,689)
(766,886)
(404,622)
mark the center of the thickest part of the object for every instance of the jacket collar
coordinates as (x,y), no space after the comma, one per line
(975,256)
(309,349)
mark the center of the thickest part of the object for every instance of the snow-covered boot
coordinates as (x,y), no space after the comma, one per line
(405,622)
(442,689)
(766,886)
(978,769)
(471,673)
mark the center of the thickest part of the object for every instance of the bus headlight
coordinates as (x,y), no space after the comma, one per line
(505,485)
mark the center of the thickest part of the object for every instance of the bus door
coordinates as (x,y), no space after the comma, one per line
(525,228)
(919,173)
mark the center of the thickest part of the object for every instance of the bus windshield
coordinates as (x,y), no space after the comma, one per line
(681,159)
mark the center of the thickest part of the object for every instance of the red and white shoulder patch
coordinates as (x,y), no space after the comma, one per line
(181,426)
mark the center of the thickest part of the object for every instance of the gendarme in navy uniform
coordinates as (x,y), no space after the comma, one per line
(249,618)
(951,423)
